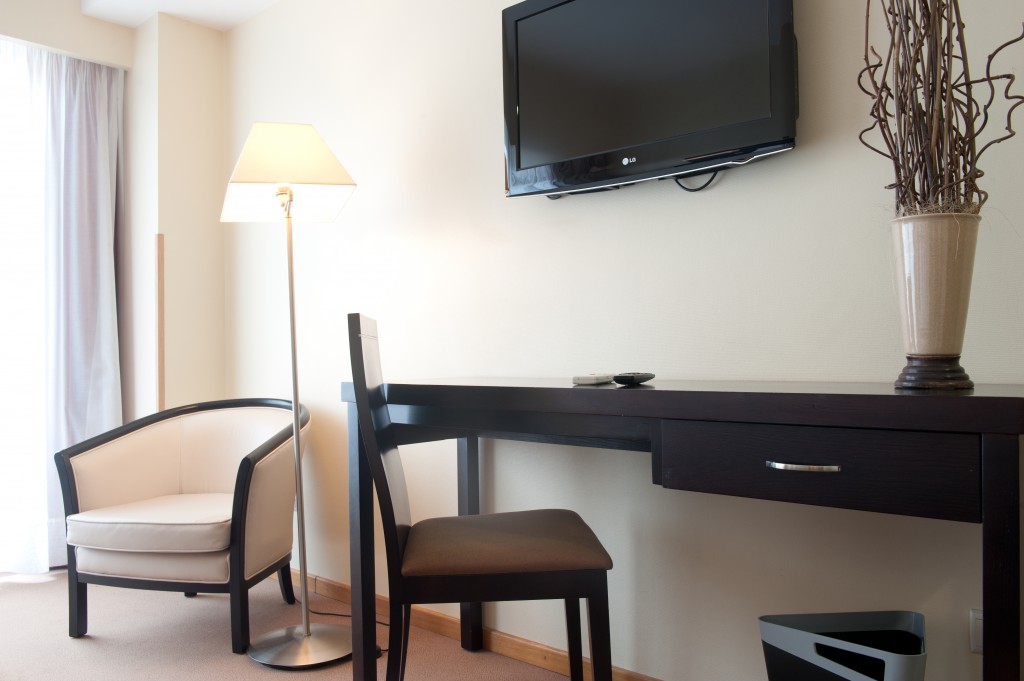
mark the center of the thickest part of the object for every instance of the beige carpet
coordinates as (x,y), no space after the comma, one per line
(158,636)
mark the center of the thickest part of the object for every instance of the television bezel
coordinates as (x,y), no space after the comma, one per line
(693,153)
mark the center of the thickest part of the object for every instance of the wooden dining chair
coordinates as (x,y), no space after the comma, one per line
(523,555)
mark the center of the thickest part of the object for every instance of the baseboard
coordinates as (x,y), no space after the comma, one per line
(510,646)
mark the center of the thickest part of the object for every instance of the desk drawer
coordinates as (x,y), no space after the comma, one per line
(935,475)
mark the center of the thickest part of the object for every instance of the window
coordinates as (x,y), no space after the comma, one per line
(60,130)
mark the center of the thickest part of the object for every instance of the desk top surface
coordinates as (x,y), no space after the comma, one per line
(995,408)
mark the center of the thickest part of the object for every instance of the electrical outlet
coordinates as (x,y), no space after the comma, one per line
(977,630)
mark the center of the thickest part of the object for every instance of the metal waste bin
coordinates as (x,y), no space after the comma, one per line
(845,646)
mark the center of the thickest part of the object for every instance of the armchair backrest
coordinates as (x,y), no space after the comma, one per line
(140,464)
(191,449)
(211,443)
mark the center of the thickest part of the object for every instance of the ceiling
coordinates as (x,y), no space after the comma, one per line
(218,14)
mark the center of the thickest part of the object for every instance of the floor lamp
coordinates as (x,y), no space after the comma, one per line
(287,169)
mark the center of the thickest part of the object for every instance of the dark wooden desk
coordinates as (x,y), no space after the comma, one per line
(948,456)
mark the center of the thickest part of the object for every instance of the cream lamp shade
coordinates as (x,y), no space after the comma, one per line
(292,155)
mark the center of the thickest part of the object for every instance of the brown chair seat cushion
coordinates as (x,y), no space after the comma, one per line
(502,543)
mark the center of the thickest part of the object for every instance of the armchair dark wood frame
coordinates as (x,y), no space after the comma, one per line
(380,451)
(237,587)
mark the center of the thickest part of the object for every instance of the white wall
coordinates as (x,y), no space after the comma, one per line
(59,25)
(779,271)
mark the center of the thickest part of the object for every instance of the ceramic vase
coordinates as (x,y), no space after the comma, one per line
(934,266)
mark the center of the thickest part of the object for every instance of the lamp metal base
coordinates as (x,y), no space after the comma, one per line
(290,648)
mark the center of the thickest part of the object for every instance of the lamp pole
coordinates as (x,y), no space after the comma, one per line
(312,645)
(285,195)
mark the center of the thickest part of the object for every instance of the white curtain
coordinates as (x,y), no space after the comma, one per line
(65,121)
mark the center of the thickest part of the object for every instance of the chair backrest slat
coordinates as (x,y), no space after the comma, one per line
(378,436)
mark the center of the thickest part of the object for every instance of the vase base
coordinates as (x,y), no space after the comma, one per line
(934,373)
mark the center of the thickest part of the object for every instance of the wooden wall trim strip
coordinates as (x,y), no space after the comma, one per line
(161,391)
(510,646)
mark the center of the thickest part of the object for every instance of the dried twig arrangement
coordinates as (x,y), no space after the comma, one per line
(924,107)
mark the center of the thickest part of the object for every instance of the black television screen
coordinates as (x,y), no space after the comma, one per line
(600,93)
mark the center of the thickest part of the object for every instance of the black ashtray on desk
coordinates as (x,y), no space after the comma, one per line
(883,646)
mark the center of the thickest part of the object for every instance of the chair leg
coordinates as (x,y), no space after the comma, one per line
(471,629)
(78,602)
(406,621)
(572,630)
(600,635)
(284,580)
(191,594)
(395,642)
(239,597)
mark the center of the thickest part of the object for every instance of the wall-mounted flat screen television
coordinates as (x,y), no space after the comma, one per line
(600,93)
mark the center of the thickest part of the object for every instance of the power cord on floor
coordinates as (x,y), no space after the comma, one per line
(337,614)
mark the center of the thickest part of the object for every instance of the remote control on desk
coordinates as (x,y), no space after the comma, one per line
(592,379)
(632,378)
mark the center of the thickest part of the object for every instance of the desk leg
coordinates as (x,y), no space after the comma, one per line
(471,614)
(1001,549)
(360,517)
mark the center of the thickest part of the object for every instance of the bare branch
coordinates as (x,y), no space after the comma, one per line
(923,105)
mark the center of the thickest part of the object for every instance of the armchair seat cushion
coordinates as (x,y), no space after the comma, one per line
(176,523)
(212,567)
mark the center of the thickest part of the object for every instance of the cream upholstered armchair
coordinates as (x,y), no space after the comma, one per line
(194,499)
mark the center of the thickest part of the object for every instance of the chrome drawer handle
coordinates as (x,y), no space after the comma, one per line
(805,468)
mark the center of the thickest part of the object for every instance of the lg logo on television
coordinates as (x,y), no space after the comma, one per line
(628,159)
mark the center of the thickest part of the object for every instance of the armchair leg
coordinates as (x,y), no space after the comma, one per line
(78,605)
(284,580)
(239,596)
(191,594)
(575,638)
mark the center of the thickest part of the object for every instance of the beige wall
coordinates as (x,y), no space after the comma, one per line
(59,25)
(174,339)
(780,271)
(192,176)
